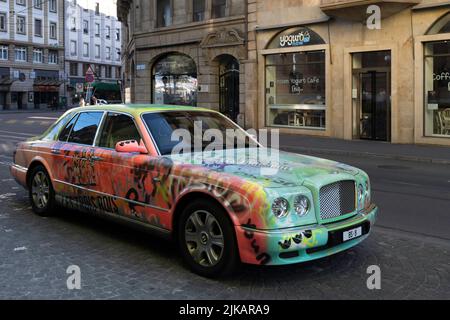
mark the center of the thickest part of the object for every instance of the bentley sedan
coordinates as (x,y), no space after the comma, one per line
(222,201)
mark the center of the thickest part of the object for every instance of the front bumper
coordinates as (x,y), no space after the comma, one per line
(19,174)
(295,245)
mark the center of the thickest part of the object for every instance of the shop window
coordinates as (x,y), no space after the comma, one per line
(295,89)
(175,80)
(437,89)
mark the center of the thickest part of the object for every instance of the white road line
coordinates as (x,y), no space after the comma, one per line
(43,118)
(19,133)
(14,137)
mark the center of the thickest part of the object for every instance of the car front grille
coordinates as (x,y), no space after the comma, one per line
(337,199)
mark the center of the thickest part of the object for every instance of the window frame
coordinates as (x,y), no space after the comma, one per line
(21,49)
(38,52)
(4,15)
(55,25)
(97,140)
(77,115)
(53,6)
(36,34)
(24,18)
(4,48)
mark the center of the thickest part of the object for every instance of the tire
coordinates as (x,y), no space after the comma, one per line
(201,226)
(41,193)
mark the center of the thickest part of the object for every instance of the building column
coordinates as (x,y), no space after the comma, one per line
(251,69)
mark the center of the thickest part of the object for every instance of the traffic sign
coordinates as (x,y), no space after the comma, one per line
(90,77)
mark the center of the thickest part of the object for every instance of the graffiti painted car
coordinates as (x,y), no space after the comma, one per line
(119,161)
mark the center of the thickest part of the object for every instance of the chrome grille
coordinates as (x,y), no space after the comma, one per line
(337,199)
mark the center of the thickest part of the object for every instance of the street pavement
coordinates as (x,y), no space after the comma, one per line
(411,244)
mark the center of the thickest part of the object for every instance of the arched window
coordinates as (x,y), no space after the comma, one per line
(175,80)
(295,80)
(441,26)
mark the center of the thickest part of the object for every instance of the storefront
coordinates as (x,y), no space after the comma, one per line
(295,63)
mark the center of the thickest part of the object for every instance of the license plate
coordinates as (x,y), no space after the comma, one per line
(352,234)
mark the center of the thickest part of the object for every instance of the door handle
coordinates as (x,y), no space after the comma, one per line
(95,158)
(56,151)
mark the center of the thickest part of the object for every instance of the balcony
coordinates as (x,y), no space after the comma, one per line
(356,10)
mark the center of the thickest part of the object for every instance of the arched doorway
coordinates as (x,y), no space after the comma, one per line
(174,80)
(229,86)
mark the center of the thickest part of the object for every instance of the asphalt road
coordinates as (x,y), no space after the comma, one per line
(411,245)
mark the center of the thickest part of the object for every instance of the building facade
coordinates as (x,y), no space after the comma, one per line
(375,70)
(186,53)
(93,39)
(31,53)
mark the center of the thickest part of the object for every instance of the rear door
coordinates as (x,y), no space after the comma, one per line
(125,179)
(76,173)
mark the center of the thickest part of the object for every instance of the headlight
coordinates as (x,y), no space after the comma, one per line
(301,205)
(368,198)
(280,208)
(361,193)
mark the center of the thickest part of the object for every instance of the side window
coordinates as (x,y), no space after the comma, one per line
(52,133)
(84,130)
(117,127)
(64,135)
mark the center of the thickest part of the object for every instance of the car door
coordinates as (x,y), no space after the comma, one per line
(76,174)
(125,179)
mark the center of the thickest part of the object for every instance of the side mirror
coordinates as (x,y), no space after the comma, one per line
(131,146)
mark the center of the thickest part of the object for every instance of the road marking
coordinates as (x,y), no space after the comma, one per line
(19,133)
(20,249)
(43,118)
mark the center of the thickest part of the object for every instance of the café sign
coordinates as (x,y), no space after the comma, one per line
(295,38)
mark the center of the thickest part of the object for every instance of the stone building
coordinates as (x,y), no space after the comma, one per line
(31,53)
(187,53)
(317,67)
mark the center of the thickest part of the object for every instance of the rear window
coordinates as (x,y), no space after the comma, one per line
(85,128)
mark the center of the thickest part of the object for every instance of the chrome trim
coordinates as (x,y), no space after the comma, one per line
(100,126)
(332,226)
(19,168)
(124,219)
(110,195)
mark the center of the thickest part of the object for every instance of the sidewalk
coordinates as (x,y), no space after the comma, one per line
(363,148)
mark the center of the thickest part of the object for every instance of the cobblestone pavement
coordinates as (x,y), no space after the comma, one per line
(118,262)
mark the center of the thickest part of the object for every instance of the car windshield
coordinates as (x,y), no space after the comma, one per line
(169,130)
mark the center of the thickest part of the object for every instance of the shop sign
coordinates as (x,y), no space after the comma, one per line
(295,38)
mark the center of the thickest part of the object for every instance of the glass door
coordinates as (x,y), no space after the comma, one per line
(375,106)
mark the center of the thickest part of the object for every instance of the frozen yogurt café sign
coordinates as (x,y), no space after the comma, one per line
(295,38)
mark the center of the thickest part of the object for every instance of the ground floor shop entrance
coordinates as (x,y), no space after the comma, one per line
(372,95)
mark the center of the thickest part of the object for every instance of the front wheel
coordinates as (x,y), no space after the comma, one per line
(41,193)
(206,239)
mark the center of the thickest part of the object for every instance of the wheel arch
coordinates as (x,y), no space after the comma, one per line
(35,163)
(187,198)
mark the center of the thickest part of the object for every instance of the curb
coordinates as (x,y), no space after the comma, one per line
(364,154)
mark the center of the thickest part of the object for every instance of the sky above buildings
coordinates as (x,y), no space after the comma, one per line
(107,7)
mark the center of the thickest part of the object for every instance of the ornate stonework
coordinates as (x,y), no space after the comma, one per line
(222,38)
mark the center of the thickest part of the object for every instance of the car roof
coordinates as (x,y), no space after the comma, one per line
(138,109)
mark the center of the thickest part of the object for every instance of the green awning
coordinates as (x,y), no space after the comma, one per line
(106,86)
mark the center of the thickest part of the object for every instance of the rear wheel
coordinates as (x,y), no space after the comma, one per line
(206,239)
(41,193)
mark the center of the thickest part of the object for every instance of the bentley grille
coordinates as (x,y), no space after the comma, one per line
(337,199)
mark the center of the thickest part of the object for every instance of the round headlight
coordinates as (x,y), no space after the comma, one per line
(367,194)
(301,205)
(280,207)
(361,192)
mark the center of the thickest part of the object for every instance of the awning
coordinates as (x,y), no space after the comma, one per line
(47,83)
(106,86)
(356,10)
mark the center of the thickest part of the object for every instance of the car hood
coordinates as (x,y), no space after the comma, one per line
(261,166)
